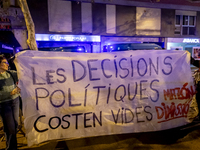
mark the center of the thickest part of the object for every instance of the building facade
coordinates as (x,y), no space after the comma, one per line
(94,24)
(13,33)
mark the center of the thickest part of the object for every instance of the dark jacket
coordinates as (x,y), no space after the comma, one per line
(194,62)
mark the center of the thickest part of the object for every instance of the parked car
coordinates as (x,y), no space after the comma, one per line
(131,46)
(80,49)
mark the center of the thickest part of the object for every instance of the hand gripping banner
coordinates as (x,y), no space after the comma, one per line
(72,95)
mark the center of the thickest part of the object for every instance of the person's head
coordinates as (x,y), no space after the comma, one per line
(3,64)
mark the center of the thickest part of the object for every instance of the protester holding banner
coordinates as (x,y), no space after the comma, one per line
(103,94)
(9,103)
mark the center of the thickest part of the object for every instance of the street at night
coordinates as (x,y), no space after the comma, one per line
(186,137)
(99,74)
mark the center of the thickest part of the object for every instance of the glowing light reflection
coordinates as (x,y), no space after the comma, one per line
(60,37)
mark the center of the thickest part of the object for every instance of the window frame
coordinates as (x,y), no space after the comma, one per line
(188,25)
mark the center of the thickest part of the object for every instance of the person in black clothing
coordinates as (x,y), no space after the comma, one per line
(196,63)
(11,63)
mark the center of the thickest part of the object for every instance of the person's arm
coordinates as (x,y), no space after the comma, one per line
(15,91)
(8,94)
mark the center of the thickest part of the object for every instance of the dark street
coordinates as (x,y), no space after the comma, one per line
(185,137)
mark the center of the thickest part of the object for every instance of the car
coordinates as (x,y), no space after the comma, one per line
(80,49)
(131,46)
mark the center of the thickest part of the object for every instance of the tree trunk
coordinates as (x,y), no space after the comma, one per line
(29,24)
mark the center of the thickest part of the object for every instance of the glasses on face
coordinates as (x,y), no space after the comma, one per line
(6,63)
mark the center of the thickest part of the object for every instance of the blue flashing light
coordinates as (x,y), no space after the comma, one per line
(7,47)
(79,49)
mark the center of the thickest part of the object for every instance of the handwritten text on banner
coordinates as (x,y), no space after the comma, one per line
(74,95)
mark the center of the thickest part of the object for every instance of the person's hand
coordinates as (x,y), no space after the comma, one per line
(15,91)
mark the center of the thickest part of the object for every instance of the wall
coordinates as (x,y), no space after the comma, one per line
(198,24)
(99,19)
(148,21)
(126,20)
(16,24)
(167,22)
(39,13)
(76,18)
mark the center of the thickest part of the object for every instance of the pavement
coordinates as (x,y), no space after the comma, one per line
(185,137)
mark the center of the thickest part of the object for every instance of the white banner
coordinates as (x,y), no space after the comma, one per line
(74,95)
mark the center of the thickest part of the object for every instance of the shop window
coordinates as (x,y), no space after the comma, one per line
(185,25)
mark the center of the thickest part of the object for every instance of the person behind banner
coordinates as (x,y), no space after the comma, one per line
(13,67)
(196,75)
(9,103)
(194,62)
(196,53)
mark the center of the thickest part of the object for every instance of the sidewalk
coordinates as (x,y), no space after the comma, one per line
(186,137)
